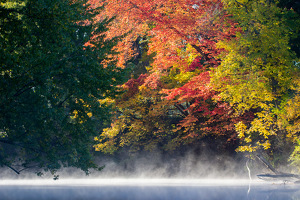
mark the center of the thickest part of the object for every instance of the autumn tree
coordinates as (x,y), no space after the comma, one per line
(51,84)
(260,72)
(181,37)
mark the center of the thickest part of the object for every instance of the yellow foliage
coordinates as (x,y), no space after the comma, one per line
(106,101)
(248,139)
(266,145)
(75,114)
(107,147)
(289,117)
(246,148)
(257,73)
(89,114)
(106,141)
(12,4)
(241,129)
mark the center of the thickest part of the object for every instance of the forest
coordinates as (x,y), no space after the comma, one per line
(81,79)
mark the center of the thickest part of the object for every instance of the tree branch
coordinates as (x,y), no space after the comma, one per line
(267,164)
(7,165)
(18,145)
(61,103)
(181,109)
(10,167)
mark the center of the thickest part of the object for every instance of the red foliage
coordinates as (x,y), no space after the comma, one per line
(171,25)
(132,86)
(196,64)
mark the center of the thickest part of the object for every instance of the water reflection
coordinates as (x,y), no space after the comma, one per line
(150,189)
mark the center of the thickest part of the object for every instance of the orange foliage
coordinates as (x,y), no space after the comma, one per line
(170,25)
(182,34)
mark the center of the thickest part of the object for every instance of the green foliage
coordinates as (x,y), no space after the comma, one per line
(295,156)
(51,84)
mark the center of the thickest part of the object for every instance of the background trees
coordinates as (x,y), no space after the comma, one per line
(180,39)
(228,68)
(51,84)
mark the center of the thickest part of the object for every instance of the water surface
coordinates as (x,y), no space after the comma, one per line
(146,189)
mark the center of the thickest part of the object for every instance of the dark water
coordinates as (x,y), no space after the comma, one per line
(146,189)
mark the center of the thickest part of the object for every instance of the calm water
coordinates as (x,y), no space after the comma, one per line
(146,189)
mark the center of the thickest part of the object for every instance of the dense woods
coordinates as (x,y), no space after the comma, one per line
(107,75)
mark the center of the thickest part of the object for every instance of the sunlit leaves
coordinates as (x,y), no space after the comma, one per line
(219,68)
(257,70)
(181,36)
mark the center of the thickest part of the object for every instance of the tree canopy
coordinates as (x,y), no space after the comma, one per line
(51,84)
(222,71)
(227,69)
(180,38)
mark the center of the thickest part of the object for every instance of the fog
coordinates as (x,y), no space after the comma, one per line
(155,164)
(152,175)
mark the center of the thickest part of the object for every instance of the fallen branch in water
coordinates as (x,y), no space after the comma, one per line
(279,176)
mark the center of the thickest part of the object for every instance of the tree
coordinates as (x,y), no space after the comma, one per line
(259,72)
(181,37)
(51,84)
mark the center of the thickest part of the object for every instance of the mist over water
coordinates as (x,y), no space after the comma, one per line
(151,176)
(154,165)
(188,165)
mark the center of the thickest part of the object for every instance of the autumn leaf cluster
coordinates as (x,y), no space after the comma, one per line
(223,69)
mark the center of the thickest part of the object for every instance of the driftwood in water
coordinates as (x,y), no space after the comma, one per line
(282,177)
(278,175)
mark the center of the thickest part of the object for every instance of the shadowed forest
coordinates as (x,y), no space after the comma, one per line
(86,81)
